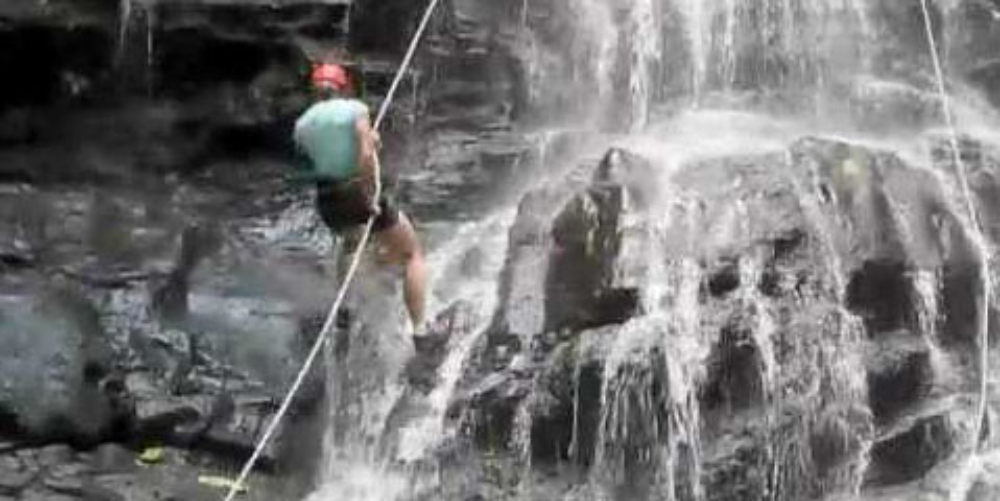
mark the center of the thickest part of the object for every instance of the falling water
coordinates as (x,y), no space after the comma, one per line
(124,20)
(759,71)
(645,54)
(978,237)
(150,50)
(770,45)
(366,385)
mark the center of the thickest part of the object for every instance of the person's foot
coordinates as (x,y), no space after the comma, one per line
(430,339)
(344,317)
(430,342)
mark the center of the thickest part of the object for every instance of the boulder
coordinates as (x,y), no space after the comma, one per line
(60,373)
(909,454)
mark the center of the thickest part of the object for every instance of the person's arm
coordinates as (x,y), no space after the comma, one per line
(367,151)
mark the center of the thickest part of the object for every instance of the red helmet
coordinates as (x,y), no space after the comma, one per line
(330,75)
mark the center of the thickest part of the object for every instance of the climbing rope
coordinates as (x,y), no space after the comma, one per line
(979,237)
(272,427)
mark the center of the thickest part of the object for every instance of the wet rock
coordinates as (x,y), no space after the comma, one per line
(463,150)
(880,105)
(900,374)
(908,455)
(17,127)
(581,289)
(41,494)
(56,62)
(176,477)
(738,473)
(838,440)
(736,371)
(66,478)
(986,75)
(881,293)
(490,408)
(92,492)
(566,410)
(462,175)
(15,476)
(57,347)
(961,288)
(521,313)
(109,459)
(431,346)
(982,164)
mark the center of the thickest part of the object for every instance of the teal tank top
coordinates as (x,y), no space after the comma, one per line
(326,134)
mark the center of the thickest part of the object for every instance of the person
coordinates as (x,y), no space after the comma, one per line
(339,147)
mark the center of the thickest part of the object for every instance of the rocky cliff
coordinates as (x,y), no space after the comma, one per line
(675,315)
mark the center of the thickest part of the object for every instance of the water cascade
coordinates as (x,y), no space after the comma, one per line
(746,271)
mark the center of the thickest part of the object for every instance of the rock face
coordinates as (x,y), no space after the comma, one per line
(142,300)
(785,325)
(750,361)
(173,341)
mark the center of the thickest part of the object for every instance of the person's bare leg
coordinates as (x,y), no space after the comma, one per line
(403,247)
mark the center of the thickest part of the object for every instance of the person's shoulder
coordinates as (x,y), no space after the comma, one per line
(358,105)
(333,109)
(313,110)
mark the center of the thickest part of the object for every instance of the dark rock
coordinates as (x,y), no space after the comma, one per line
(175,477)
(836,441)
(961,289)
(982,163)
(160,421)
(908,455)
(169,299)
(736,375)
(881,293)
(581,291)
(235,448)
(59,348)
(900,375)
(38,494)
(564,424)
(111,459)
(17,127)
(739,475)
(521,313)
(431,346)
(987,76)
(491,408)
(54,63)
(15,476)
(92,492)
(462,176)
(725,280)
(66,478)
(54,455)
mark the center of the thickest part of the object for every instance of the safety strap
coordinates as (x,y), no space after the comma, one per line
(348,278)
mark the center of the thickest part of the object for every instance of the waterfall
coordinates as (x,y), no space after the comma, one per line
(792,264)
(645,53)
(139,58)
(125,19)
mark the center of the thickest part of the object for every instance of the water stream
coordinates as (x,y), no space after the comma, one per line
(742,371)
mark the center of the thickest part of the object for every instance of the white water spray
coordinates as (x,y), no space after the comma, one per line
(124,20)
(978,237)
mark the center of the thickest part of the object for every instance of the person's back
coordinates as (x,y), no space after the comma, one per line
(327,134)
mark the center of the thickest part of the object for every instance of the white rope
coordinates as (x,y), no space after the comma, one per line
(978,236)
(272,427)
(406,62)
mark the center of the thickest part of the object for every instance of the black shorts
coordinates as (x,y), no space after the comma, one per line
(343,205)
